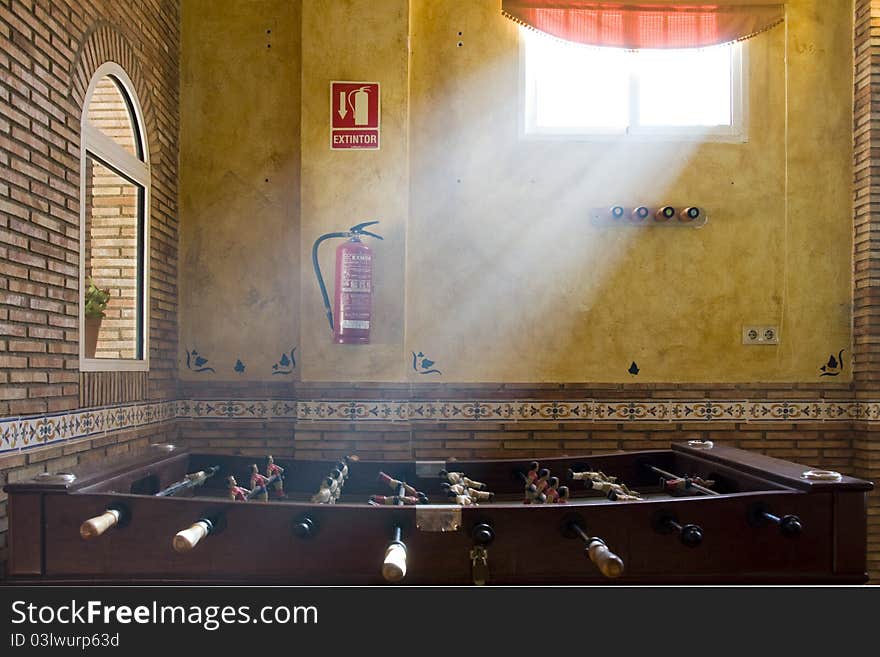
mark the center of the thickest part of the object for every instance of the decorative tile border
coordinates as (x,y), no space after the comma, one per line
(38,431)
(22,433)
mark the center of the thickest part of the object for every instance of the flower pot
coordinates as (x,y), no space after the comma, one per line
(93,327)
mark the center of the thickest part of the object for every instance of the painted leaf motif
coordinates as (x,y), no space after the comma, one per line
(285,361)
(832,362)
(200,361)
(427,363)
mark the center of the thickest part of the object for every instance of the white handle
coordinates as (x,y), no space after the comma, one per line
(394,566)
(94,527)
(185,540)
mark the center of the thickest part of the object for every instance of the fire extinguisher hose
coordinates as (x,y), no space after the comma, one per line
(327,307)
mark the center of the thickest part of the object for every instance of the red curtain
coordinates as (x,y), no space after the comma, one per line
(654,24)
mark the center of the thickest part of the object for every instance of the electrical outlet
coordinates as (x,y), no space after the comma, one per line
(754,335)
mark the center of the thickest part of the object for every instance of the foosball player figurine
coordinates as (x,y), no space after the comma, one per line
(541,481)
(564,495)
(271,470)
(589,475)
(258,481)
(532,474)
(480,495)
(460,478)
(342,466)
(236,492)
(533,495)
(458,489)
(616,496)
(324,494)
(395,484)
(684,484)
(391,500)
(335,485)
(463,500)
(552,490)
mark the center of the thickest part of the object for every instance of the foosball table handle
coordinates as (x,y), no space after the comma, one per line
(608,563)
(94,527)
(305,527)
(187,539)
(690,535)
(394,564)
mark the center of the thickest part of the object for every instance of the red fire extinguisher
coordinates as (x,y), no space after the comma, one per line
(353,291)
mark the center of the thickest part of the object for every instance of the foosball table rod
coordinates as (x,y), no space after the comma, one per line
(394,564)
(116,515)
(702,489)
(790,525)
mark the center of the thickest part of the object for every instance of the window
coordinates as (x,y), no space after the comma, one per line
(114,230)
(591,92)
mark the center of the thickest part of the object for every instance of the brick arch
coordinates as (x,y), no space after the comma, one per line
(101,43)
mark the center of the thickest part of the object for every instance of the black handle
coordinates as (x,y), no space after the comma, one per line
(483,534)
(789,525)
(666,523)
(305,527)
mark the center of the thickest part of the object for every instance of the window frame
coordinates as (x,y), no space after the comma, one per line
(100,147)
(736,132)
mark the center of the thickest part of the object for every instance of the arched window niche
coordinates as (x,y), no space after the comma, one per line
(114,227)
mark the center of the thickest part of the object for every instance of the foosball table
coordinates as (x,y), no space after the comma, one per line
(696,513)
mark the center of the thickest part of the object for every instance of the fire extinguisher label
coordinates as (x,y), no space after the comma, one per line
(355,289)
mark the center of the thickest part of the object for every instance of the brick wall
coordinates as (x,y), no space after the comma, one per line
(866,241)
(49,50)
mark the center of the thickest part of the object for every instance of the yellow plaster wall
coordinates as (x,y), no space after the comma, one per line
(490,266)
(356,40)
(239,186)
(530,291)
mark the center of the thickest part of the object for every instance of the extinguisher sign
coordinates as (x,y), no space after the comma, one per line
(354,115)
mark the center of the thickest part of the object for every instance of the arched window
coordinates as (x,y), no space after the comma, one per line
(114,226)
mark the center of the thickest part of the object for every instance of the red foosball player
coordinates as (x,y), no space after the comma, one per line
(541,481)
(564,495)
(532,474)
(394,484)
(236,492)
(552,490)
(271,470)
(259,481)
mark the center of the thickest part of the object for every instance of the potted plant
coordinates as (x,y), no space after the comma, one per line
(96,302)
